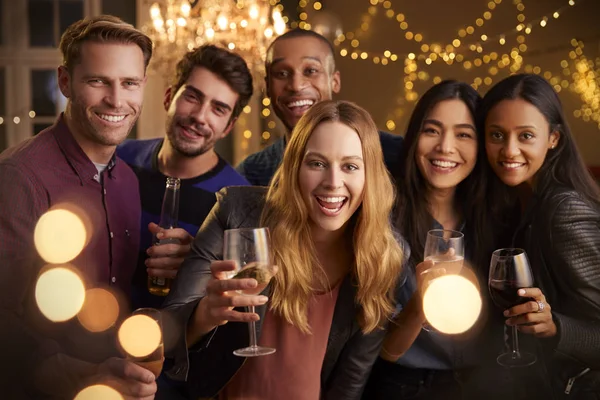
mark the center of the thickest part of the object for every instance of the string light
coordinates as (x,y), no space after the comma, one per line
(585,83)
(512,60)
(459,56)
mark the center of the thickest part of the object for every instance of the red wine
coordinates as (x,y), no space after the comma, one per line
(504,294)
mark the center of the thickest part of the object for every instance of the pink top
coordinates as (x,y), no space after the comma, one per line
(294,370)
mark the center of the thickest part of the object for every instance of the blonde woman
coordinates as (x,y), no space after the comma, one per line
(327,210)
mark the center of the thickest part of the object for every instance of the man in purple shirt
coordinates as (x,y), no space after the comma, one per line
(73,164)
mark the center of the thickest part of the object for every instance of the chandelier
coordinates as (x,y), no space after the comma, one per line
(243,26)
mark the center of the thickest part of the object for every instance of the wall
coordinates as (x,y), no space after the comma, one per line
(377,87)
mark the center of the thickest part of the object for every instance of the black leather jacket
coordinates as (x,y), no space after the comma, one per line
(561,234)
(210,364)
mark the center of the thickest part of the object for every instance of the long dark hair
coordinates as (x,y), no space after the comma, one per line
(563,165)
(412,210)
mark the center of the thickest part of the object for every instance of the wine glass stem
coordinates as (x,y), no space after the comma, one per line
(515,343)
(252,327)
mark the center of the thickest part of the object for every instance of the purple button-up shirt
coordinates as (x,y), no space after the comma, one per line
(50,171)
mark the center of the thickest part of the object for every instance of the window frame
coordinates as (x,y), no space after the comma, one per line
(19,59)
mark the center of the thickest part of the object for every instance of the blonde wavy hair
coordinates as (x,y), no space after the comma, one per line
(377,255)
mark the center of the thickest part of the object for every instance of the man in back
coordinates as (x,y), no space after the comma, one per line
(211,87)
(73,165)
(300,71)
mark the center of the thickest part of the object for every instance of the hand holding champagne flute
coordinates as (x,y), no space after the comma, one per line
(141,338)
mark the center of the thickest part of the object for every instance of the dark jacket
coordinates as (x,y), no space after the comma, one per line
(209,365)
(560,232)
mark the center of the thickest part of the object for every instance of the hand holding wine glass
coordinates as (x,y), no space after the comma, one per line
(223,295)
(510,273)
(534,316)
(444,254)
(446,249)
(249,248)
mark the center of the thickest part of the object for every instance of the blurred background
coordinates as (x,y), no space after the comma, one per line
(389,52)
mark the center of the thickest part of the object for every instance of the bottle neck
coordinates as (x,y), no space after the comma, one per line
(170,206)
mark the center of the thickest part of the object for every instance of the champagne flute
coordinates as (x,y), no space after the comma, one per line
(446,249)
(249,248)
(153,361)
(509,272)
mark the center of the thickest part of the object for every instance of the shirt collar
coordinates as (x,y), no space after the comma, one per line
(74,154)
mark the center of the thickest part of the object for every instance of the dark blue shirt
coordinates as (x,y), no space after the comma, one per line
(197,197)
(259,168)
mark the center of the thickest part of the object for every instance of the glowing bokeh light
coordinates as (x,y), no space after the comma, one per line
(451,304)
(139,335)
(98,392)
(59,294)
(59,236)
(100,310)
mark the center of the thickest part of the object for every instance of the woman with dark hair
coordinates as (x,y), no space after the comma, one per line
(440,186)
(532,152)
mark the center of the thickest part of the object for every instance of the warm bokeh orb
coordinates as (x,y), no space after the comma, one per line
(100,310)
(451,304)
(98,392)
(59,294)
(139,335)
(59,236)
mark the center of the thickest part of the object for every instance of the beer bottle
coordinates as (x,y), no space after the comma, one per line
(168,220)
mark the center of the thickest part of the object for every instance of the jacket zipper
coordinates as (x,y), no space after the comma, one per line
(571,381)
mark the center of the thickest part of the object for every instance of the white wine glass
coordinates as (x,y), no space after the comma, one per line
(446,249)
(249,249)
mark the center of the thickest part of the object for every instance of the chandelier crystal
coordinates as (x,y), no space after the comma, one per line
(244,26)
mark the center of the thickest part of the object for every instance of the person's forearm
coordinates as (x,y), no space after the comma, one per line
(403,330)
(198,325)
(63,375)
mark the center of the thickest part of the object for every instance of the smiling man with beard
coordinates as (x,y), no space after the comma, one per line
(301,71)
(211,87)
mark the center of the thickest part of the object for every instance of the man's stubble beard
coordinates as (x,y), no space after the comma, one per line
(83,122)
(189,153)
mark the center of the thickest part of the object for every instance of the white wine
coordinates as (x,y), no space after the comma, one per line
(259,271)
(452,264)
